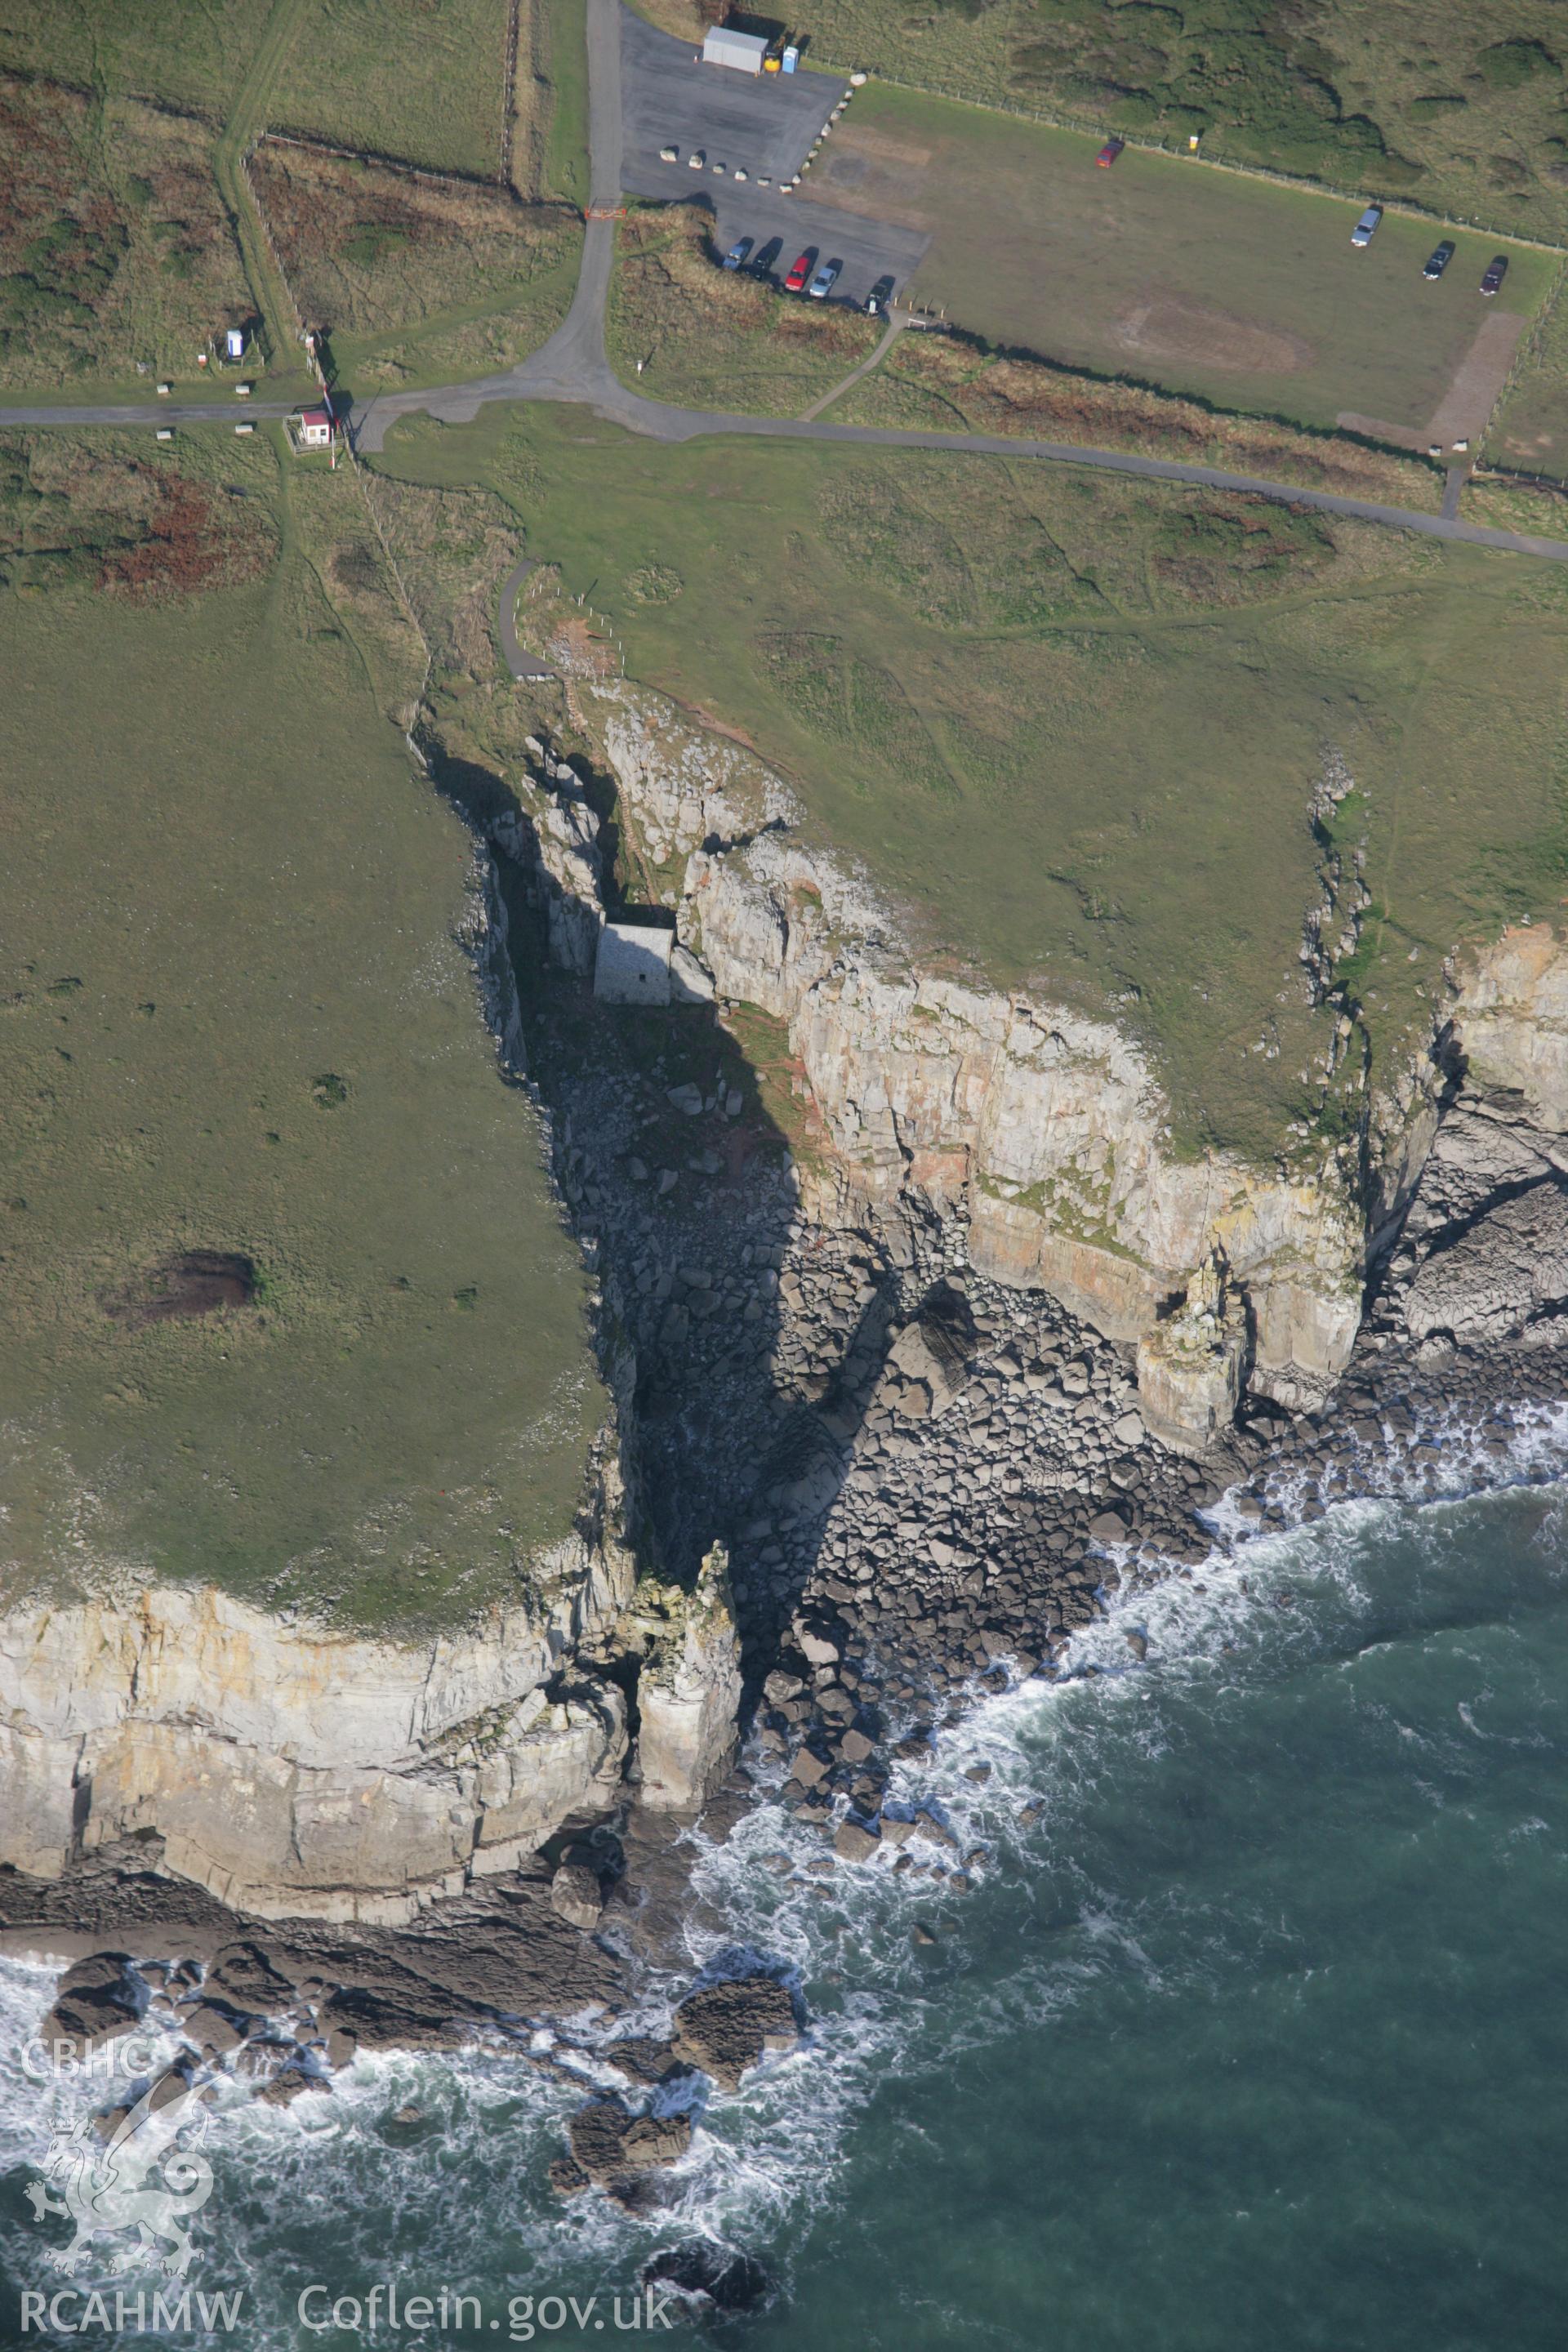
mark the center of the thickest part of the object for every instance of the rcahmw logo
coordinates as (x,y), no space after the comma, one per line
(166,2311)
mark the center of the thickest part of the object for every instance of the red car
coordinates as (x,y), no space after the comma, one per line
(796,282)
(1108,153)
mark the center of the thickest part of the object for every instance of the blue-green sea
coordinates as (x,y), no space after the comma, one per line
(1250,2037)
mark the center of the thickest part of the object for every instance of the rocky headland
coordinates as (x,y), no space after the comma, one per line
(922,1346)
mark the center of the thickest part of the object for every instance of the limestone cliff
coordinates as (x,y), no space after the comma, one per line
(1049,1129)
(1481,1255)
(1049,1126)
(293,1770)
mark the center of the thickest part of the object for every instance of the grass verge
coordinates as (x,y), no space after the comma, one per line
(562,40)
(947,381)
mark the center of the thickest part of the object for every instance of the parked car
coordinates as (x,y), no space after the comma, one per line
(1108,153)
(1365,228)
(1497,271)
(824,279)
(1440,259)
(879,297)
(765,261)
(800,270)
(739,253)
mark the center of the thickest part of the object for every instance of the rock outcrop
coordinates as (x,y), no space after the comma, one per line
(1191,1368)
(1482,1255)
(689,1692)
(728,2027)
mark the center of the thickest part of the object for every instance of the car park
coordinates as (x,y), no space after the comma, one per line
(1497,271)
(1365,228)
(739,253)
(800,270)
(879,297)
(824,279)
(1108,153)
(1438,260)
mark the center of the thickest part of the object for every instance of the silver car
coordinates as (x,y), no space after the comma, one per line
(1365,228)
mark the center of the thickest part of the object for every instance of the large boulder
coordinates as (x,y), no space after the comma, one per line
(935,1350)
(95,2004)
(576,1895)
(728,2027)
(608,2141)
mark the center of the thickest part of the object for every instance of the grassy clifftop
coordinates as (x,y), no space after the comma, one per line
(1079,725)
(287,1302)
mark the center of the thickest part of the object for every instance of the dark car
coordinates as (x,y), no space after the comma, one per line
(739,252)
(1497,271)
(1108,153)
(1440,259)
(800,270)
(879,297)
(765,262)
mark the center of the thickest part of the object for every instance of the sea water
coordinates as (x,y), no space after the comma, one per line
(1249,2036)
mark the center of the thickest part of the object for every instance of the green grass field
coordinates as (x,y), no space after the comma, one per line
(1246,294)
(192,56)
(1076,723)
(417,78)
(238,1017)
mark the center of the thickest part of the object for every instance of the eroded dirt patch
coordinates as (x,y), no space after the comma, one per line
(1165,328)
(195,1282)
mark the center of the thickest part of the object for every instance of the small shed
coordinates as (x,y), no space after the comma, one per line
(234,342)
(744,51)
(315,429)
